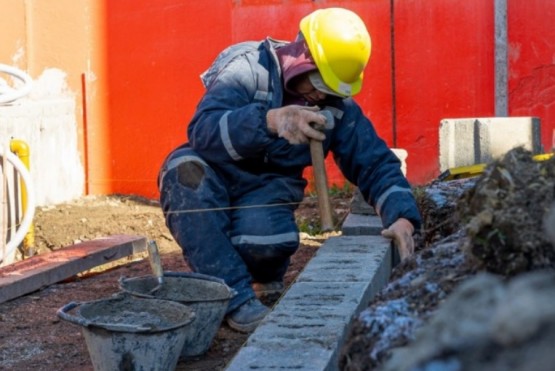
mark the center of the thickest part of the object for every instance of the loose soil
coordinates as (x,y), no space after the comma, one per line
(34,338)
(496,225)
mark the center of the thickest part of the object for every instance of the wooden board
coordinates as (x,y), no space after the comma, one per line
(42,270)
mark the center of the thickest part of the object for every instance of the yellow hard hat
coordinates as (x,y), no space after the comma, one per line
(340,45)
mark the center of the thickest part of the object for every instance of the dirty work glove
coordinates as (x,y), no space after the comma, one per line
(401,234)
(293,123)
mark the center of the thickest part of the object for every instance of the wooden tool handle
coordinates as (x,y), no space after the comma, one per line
(321,183)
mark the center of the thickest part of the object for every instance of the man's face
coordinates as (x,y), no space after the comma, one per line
(305,89)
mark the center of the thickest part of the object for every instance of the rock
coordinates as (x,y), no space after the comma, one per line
(528,305)
(470,305)
(437,203)
(487,324)
(549,225)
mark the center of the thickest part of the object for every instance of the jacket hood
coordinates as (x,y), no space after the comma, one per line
(294,59)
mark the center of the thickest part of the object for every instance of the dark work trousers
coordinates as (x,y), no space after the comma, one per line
(240,241)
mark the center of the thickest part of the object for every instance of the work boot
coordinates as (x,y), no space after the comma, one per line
(274,288)
(247,317)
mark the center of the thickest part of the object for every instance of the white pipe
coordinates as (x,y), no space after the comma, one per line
(8,94)
(30,210)
(4,215)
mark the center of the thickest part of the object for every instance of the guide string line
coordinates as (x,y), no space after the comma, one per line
(185,211)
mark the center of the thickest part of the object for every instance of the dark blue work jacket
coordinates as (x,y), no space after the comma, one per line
(229,132)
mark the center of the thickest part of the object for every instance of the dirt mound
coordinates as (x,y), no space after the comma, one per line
(504,213)
(493,223)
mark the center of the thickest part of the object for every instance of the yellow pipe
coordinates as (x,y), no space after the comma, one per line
(21,149)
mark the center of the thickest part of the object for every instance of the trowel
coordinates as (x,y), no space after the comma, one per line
(155,264)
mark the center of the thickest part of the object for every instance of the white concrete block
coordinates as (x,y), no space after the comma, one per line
(402,155)
(469,141)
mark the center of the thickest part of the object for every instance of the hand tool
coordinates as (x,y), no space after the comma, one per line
(320,177)
(155,264)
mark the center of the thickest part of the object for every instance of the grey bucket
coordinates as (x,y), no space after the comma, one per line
(127,333)
(208,296)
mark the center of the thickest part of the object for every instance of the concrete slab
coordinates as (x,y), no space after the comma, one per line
(308,325)
(42,270)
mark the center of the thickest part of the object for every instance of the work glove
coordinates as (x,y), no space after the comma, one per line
(296,124)
(401,233)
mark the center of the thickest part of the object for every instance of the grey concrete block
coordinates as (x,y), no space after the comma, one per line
(469,141)
(359,204)
(313,311)
(361,225)
(295,356)
(346,259)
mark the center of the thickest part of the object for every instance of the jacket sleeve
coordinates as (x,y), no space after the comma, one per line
(366,161)
(230,121)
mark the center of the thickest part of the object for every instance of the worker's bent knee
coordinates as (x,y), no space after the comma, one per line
(190,174)
(262,252)
(287,249)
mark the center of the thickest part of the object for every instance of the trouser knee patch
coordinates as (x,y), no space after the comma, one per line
(190,174)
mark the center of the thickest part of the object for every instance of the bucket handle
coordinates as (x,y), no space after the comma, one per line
(62,313)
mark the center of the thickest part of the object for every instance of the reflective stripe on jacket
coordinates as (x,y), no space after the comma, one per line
(229,131)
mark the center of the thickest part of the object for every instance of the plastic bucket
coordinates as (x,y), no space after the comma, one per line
(128,333)
(208,296)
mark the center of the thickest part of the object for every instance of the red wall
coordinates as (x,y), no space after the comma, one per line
(157,50)
(531,63)
(442,65)
(444,68)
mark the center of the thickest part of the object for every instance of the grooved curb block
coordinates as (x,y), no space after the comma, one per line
(307,327)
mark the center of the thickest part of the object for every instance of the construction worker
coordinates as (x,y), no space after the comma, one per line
(230,193)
